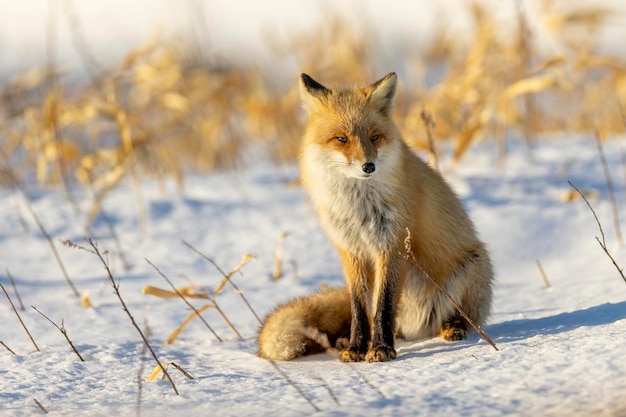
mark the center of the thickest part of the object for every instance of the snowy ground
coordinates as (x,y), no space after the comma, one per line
(562,350)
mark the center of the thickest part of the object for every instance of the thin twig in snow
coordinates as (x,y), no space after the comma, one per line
(9,171)
(19,318)
(543,273)
(125,264)
(54,111)
(603,241)
(181,370)
(609,183)
(20,216)
(6,347)
(227,277)
(40,406)
(208,326)
(63,332)
(479,330)
(116,287)
(17,294)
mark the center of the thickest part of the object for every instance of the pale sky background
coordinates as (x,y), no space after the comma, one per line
(112,28)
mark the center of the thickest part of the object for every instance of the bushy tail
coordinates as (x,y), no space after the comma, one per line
(286,331)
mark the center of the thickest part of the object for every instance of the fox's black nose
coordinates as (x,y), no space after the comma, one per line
(369,167)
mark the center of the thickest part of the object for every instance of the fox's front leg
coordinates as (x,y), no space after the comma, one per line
(389,280)
(358,278)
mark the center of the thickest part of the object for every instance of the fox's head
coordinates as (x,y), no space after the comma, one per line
(349,129)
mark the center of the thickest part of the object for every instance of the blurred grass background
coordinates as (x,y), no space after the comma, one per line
(171,107)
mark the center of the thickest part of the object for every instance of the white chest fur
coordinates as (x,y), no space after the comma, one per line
(357,214)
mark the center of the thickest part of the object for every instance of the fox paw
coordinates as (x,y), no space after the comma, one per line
(350,355)
(381,354)
(342,343)
(453,330)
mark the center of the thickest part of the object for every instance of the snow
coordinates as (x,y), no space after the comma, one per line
(561,349)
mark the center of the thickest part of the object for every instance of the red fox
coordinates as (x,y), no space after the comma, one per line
(397,227)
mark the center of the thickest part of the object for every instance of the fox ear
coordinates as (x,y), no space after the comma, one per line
(311,92)
(383,93)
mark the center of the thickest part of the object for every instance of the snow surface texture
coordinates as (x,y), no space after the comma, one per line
(562,350)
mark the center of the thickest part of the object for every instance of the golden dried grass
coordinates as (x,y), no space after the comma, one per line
(200,293)
(161,114)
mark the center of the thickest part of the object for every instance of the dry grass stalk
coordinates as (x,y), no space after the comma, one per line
(174,335)
(572,195)
(63,332)
(6,347)
(603,241)
(191,293)
(278,258)
(116,287)
(85,301)
(543,273)
(42,229)
(79,41)
(17,294)
(609,183)
(187,292)
(196,312)
(182,297)
(19,318)
(118,244)
(429,124)
(227,277)
(20,215)
(225,318)
(41,407)
(479,330)
(157,371)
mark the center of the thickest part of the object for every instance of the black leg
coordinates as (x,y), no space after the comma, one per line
(359,332)
(384,326)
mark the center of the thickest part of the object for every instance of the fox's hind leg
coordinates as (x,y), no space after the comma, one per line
(454,329)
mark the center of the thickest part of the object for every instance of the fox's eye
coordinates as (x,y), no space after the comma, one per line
(374,138)
(342,139)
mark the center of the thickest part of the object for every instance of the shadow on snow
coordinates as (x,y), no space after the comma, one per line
(563,322)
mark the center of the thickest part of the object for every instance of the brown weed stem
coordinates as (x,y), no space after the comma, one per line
(601,242)
(227,277)
(478,329)
(208,326)
(609,183)
(20,318)
(63,332)
(116,287)
(6,347)
(17,294)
